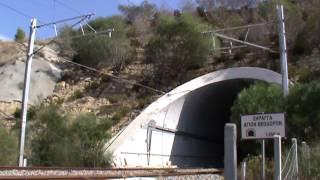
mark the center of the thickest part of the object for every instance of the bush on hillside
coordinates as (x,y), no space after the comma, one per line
(176,47)
(306,40)
(58,141)
(9,147)
(89,136)
(100,50)
(64,40)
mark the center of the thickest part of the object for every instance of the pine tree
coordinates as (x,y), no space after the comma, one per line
(20,35)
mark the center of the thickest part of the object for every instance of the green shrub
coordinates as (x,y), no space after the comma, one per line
(120,113)
(76,95)
(116,98)
(100,50)
(315,160)
(30,114)
(177,43)
(94,85)
(9,147)
(253,168)
(89,136)
(58,141)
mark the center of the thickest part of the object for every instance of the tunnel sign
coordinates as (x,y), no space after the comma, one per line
(262,126)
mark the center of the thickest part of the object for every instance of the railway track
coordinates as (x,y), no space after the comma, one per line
(98,173)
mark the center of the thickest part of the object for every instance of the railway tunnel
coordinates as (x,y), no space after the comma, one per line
(185,127)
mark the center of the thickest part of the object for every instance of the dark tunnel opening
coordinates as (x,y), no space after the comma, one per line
(200,142)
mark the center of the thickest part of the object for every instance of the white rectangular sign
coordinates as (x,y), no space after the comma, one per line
(261,126)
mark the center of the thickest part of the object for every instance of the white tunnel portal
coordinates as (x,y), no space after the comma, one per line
(185,127)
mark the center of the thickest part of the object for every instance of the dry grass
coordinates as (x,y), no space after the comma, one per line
(9,51)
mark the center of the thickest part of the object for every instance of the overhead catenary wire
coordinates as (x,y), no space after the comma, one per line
(68,7)
(65,20)
(119,79)
(95,70)
(125,80)
(16,10)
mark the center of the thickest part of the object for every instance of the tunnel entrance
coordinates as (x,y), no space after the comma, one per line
(200,142)
(188,122)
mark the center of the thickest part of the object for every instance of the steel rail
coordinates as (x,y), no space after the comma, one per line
(100,173)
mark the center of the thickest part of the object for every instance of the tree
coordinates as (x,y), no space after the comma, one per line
(301,107)
(258,98)
(133,12)
(302,110)
(20,35)
(140,17)
(249,101)
(178,42)
(188,6)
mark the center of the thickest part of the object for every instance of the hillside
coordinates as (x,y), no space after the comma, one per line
(151,51)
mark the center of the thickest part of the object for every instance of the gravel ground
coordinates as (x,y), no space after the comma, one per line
(194,177)
(109,173)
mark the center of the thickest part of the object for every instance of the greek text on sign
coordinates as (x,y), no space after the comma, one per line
(261,126)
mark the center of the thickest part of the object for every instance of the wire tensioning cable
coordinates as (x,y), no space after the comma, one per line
(119,79)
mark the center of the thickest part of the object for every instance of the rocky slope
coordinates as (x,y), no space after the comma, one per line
(76,89)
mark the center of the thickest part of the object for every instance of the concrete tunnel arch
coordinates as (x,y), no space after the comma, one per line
(185,127)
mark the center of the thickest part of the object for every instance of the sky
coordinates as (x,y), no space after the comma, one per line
(18,13)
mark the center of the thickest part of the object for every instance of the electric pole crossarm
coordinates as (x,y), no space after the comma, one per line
(244,42)
(65,20)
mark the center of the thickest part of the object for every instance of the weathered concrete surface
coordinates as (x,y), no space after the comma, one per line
(189,122)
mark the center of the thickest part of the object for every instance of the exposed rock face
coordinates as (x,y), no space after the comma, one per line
(44,76)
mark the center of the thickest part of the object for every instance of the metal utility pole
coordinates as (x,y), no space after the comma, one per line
(30,54)
(283,50)
(24,109)
(263,162)
(277,157)
(296,164)
(243,170)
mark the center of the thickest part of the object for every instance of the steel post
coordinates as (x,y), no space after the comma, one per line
(24,108)
(230,151)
